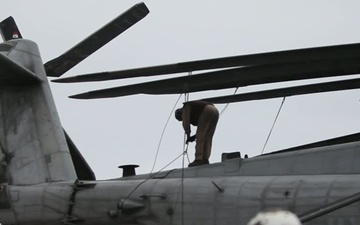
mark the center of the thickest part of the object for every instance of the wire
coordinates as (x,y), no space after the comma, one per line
(185,149)
(187,96)
(227,104)
(157,152)
(182,184)
(151,176)
(277,115)
(162,134)
(163,131)
(180,193)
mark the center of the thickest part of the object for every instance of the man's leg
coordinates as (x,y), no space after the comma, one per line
(202,128)
(200,137)
(213,115)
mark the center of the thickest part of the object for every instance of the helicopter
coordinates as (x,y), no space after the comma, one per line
(155,41)
(47,181)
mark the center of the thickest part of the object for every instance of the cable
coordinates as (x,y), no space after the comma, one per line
(187,96)
(182,184)
(180,193)
(227,104)
(162,134)
(185,149)
(267,139)
(151,176)
(157,152)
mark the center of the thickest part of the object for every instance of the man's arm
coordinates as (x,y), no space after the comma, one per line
(191,139)
(186,119)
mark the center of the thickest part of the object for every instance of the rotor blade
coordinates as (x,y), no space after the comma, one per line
(290,91)
(328,142)
(82,168)
(79,52)
(234,78)
(290,56)
(9,30)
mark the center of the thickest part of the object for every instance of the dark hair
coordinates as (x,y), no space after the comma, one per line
(178,114)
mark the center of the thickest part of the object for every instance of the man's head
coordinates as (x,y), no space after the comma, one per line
(178,114)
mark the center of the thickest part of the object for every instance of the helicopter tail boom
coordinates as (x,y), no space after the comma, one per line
(32,141)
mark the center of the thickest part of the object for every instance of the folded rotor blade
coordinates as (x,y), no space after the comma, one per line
(290,56)
(82,168)
(234,78)
(328,142)
(9,29)
(79,52)
(290,91)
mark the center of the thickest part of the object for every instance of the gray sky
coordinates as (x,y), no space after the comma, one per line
(127,130)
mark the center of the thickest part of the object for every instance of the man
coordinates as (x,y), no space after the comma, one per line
(205,116)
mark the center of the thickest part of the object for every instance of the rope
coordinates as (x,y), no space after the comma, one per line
(187,96)
(186,88)
(277,115)
(157,152)
(152,175)
(162,134)
(227,104)
(163,131)
(182,184)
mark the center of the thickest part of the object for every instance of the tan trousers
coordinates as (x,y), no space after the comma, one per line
(205,132)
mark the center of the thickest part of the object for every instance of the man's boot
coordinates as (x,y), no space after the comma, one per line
(197,162)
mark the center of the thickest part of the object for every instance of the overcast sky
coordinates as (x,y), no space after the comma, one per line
(127,130)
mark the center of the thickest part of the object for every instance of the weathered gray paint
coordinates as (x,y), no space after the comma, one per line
(32,137)
(202,202)
(336,159)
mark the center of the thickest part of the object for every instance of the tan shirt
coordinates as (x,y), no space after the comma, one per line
(191,113)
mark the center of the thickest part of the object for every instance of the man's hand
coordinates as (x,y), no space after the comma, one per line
(191,139)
